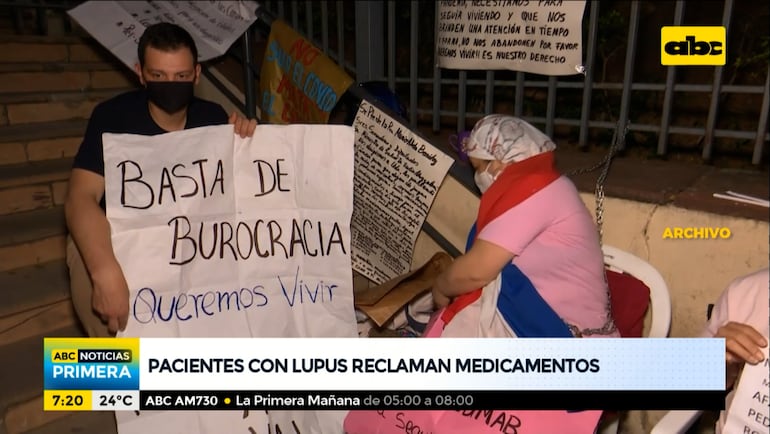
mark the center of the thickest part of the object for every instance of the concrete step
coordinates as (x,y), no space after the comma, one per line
(32,234)
(44,97)
(14,82)
(84,422)
(40,39)
(50,64)
(32,197)
(49,130)
(31,151)
(32,252)
(29,291)
(28,416)
(31,238)
(37,112)
(21,371)
(54,20)
(14,51)
(21,375)
(35,172)
(47,49)
(24,198)
(29,187)
(70,80)
(38,321)
(60,66)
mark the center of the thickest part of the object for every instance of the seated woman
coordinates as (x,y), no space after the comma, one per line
(537,258)
(534,258)
(741,317)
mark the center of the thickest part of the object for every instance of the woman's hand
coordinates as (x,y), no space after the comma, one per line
(439,299)
(473,270)
(743,345)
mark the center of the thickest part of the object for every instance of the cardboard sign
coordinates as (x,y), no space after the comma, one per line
(381,302)
(542,37)
(298,83)
(220,236)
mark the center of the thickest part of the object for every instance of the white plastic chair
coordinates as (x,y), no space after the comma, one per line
(676,422)
(660,302)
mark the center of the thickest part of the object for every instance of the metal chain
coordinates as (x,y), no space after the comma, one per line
(609,326)
(617,140)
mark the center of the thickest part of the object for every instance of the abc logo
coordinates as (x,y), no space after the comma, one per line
(692,45)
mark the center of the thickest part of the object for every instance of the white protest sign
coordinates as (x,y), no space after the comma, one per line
(396,179)
(220,236)
(542,37)
(214,25)
(749,412)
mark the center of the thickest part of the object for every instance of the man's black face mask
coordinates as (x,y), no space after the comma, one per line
(170,96)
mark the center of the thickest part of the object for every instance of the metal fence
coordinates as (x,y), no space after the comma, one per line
(708,111)
(666,109)
(39,10)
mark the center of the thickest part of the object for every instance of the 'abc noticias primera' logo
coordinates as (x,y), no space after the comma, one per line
(91,363)
(693,45)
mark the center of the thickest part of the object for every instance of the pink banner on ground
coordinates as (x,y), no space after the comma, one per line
(470,421)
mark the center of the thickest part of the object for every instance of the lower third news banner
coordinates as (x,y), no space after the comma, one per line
(383,374)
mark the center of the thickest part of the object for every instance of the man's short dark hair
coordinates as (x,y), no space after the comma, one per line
(166,37)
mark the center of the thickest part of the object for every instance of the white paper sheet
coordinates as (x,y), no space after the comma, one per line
(749,412)
(223,236)
(542,37)
(396,180)
(214,25)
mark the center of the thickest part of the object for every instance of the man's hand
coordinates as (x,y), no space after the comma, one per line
(742,343)
(243,127)
(110,297)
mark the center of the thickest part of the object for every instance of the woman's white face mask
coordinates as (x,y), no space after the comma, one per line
(484,179)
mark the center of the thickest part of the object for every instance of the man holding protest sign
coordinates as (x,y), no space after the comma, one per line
(168,69)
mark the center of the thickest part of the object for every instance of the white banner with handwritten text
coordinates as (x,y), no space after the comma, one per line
(749,411)
(220,236)
(214,25)
(541,37)
(396,180)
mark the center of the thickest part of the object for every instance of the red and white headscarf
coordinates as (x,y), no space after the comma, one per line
(506,138)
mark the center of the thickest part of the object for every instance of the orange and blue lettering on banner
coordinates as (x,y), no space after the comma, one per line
(91,364)
(298,83)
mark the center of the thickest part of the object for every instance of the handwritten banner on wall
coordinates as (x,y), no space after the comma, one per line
(298,83)
(214,25)
(749,410)
(396,179)
(220,236)
(542,37)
